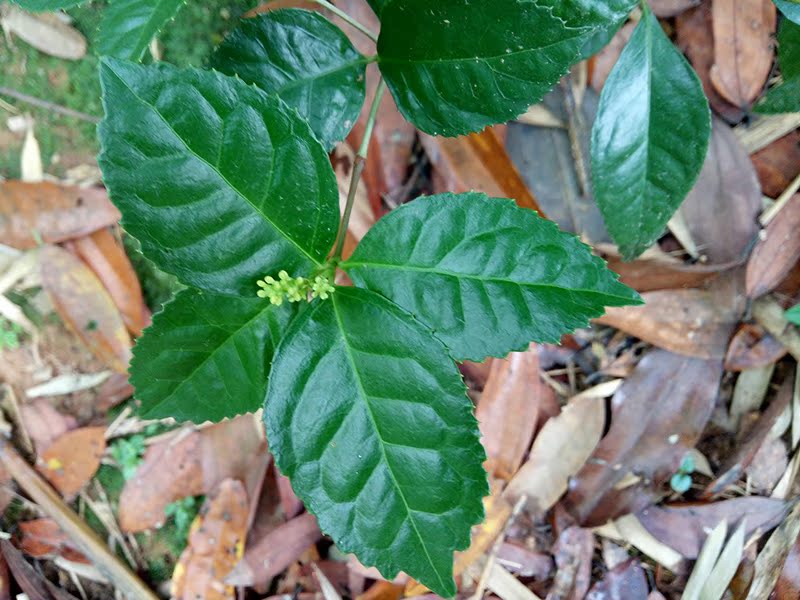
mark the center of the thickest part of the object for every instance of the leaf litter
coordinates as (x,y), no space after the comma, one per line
(583,440)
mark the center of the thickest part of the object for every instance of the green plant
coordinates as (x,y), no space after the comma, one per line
(224,177)
(10,333)
(793,315)
(182,512)
(128,453)
(681,481)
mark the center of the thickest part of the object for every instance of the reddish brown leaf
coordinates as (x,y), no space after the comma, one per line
(190,464)
(777,252)
(476,162)
(51,212)
(624,582)
(603,62)
(743,48)
(752,348)
(44,424)
(216,544)
(788,587)
(650,274)
(671,8)
(85,306)
(524,562)
(108,260)
(734,467)
(267,557)
(778,164)
(5,580)
(43,538)
(382,590)
(690,322)
(695,37)
(657,416)
(684,527)
(114,390)
(509,410)
(768,466)
(72,460)
(722,209)
(573,553)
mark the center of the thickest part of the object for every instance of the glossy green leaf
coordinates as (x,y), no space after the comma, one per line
(129,25)
(790,9)
(649,139)
(785,97)
(307,61)
(221,183)
(367,415)
(487,276)
(207,356)
(46,5)
(456,66)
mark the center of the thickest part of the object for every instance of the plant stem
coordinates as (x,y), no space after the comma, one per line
(347,18)
(358,168)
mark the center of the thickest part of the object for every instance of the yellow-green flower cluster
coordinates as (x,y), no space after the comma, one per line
(294,289)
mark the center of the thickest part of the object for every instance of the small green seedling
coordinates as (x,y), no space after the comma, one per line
(681,482)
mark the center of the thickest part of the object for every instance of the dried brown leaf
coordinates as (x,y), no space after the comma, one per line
(85,306)
(672,8)
(43,538)
(71,461)
(788,586)
(603,62)
(778,164)
(52,212)
(624,582)
(508,410)
(743,48)
(721,211)
(216,544)
(752,348)
(684,527)
(559,451)
(44,424)
(657,416)
(35,586)
(45,32)
(108,260)
(573,554)
(777,252)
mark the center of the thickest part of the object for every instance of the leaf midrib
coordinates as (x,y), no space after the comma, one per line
(212,167)
(348,265)
(365,396)
(363,60)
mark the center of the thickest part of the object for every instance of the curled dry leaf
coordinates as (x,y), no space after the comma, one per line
(657,416)
(752,348)
(72,460)
(695,38)
(777,252)
(191,463)
(216,544)
(51,212)
(721,211)
(559,451)
(691,322)
(85,306)
(267,557)
(743,48)
(45,32)
(508,410)
(778,164)
(624,582)
(684,527)
(43,538)
(107,258)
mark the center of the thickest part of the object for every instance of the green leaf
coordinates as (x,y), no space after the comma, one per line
(790,9)
(207,356)
(793,315)
(649,139)
(46,5)
(785,97)
(681,482)
(129,25)
(307,61)
(487,276)
(456,66)
(221,183)
(367,415)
